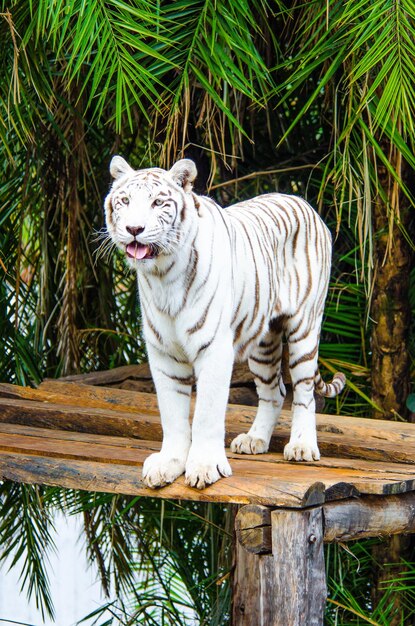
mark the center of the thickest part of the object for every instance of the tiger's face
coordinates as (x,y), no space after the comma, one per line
(144,209)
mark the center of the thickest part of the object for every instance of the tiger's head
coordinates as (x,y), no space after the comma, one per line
(145,209)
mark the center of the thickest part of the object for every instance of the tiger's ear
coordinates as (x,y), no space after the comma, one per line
(184,173)
(119,167)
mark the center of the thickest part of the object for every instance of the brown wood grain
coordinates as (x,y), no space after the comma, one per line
(74,394)
(143,424)
(241,374)
(339,436)
(299,571)
(372,516)
(253,589)
(73,422)
(253,528)
(345,520)
(112,376)
(264,479)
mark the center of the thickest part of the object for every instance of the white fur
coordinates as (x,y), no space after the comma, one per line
(208,297)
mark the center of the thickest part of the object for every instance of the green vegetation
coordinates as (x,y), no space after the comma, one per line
(310,98)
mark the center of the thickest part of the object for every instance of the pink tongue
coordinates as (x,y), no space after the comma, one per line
(137,250)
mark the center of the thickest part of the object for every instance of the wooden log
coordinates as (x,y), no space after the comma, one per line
(73,394)
(72,474)
(288,586)
(241,374)
(141,424)
(372,516)
(112,376)
(345,520)
(253,528)
(138,378)
(338,436)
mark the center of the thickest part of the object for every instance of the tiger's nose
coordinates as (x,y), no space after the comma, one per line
(134,230)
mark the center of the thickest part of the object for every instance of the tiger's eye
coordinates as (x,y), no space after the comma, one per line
(125,200)
(158,202)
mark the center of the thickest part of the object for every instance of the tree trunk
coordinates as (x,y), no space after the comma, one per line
(391,317)
(390,310)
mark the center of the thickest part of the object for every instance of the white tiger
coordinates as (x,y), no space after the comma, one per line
(217,285)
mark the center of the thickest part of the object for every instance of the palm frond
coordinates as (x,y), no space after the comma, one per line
(26,537)
(221,63)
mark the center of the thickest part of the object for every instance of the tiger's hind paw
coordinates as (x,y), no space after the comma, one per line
(247,444)
(301,451)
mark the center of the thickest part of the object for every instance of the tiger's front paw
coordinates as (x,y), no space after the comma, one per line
(301,451)
(160,469)
(204,469)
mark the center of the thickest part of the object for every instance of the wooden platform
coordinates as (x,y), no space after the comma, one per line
(87,433)
(96,438)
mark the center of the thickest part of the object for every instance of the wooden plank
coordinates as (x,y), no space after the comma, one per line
(262,481)
(241,375)
(71,474)
(82,419)
(112,376)
(300,577)
(126,479)
(91,439)
(73,394)
(237,395)
(120,412)
(80,450)
(384,431)
(125,395)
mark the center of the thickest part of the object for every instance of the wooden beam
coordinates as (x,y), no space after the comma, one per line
(345,520)
(287,586)
(372,516)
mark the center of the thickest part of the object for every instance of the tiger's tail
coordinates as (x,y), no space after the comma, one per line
(329,390)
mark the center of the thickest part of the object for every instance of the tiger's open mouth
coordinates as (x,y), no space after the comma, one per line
(138,251)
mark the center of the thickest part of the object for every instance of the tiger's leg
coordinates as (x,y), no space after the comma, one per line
(265,364)
(173,386)
(207,460)
(303,341)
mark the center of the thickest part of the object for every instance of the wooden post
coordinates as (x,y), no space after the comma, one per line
(253,598)
(288,586)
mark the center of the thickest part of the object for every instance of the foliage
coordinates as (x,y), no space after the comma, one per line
(309,98)
(162,562)
(350,601)
(362,54)
(26,531)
